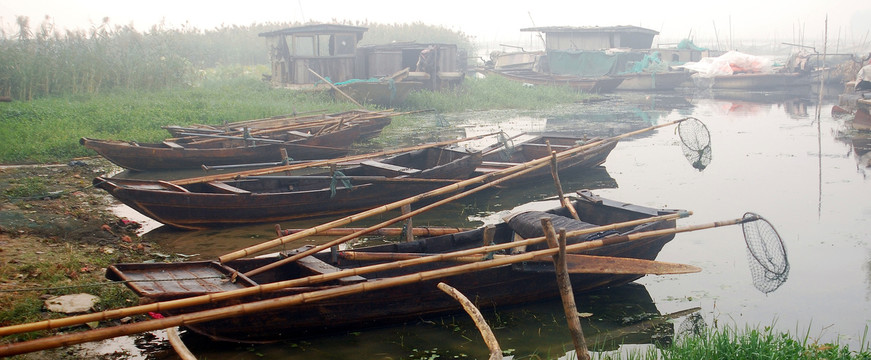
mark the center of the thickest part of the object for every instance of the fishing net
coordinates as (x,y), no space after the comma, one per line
(695,141)
(508,148)
(766,253)
(693,325)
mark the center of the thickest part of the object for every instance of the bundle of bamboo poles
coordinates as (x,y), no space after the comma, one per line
(482,182)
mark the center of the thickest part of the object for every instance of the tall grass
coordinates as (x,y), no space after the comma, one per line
(106,57)
(47,130)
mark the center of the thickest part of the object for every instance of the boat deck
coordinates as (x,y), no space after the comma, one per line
(182,278)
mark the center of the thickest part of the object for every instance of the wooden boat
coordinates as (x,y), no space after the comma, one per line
(195,151)
(371,123)
(493,287)
(602,84)
(505,155)
(653,81)
(753,81)
(277,198)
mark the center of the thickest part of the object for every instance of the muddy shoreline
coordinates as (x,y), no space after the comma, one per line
(57,235)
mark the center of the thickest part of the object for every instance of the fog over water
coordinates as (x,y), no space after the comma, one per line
(727,25)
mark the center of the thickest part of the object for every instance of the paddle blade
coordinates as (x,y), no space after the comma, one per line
(590,264)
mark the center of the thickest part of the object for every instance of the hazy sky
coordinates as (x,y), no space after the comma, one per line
(780,20)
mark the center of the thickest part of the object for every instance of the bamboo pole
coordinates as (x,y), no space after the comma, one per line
(528,166)
(418,231)
(319,295)
(378,210)
(554,172)
(334,87)
(565,287)
(262,289)
(575,263)
(178,345)
(477,318)
(314,163)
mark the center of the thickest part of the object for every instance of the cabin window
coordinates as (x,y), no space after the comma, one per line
(304,46)
(324,45)
(344,44)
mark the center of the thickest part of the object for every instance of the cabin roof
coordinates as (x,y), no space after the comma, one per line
(592,29)
(316,29)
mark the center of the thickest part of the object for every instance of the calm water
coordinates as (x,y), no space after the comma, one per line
(770,156)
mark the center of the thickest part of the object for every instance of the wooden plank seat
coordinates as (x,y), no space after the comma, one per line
(388,169)
(300,134)
(226,188)
(317,266)
(173,145)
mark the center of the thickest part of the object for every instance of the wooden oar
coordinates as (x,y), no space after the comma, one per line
(240,174)
(318,295)
(265,288)
(487,180)
(577,263)
(417,231)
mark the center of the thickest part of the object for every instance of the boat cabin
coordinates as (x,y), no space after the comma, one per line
(332,51)
(327,49)
(435,65)
(595,37)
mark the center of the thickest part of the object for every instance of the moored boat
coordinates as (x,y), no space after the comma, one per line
(503,285)
(508,153)
(284,197)
(194,151)
(657,81)
(370,122)
(600,84)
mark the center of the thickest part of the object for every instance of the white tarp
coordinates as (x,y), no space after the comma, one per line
(730,63)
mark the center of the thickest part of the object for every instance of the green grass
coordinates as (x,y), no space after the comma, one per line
(750,344)
(71,270)
(48,129)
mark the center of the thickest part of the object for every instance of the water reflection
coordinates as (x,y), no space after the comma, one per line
(614,319)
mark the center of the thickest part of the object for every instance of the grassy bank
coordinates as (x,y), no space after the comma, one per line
(48,129)
(753,343)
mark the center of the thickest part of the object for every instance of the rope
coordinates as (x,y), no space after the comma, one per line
(106,283)
(336,176)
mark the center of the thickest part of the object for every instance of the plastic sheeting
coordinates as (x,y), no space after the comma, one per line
(731,63)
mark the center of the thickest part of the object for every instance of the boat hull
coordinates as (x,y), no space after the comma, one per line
(494,287)
(753,81)
(244,201)
(602,84)
(653,81)
(537,147)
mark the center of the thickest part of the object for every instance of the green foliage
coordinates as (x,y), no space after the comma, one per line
(27,187)
(70,271)
(752,344)
(46,62)
(46,130)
